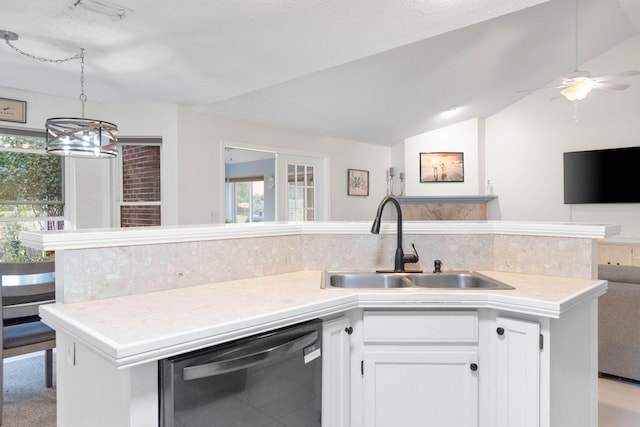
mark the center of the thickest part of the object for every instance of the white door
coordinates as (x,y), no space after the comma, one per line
(300,188)
(517,373)
(336,373)
(420,388)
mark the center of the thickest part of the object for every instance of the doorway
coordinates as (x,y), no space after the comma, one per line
(269,185)
(249,182)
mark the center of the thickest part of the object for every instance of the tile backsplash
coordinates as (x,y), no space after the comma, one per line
(88,274)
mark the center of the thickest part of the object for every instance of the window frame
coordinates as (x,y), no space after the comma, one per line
(118,194)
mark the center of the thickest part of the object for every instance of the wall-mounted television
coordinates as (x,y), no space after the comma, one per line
(602,176)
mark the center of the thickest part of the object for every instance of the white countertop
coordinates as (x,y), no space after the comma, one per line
(141,328)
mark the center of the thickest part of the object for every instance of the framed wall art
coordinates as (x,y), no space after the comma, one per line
(12,110)
(357,182)
(442,167)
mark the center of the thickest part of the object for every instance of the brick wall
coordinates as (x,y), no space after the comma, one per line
(139,216)
(140,183)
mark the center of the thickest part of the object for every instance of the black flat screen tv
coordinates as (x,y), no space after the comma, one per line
(602,176)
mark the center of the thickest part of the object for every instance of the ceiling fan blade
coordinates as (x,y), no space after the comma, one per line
(616,76)
(611,85)
(557,86)
(527,90)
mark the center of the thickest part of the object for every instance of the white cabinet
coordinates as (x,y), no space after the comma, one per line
(616,253)
(336,372)
(420,368)
(543,370)
(412,388)
(517,373)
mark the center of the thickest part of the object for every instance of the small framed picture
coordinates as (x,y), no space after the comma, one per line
(441,167)
(357,182)
(12,110)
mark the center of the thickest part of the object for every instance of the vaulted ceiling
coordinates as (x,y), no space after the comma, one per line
(370,70)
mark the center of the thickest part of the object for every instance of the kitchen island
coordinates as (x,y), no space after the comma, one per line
(117,342)
(111,337)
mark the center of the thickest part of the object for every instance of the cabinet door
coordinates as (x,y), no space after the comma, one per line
(517,373)
(420,388)
(336,373)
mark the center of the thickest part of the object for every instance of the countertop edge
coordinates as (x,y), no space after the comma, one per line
(332,303)
(116,237)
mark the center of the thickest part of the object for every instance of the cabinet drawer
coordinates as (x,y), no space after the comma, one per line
(420,326)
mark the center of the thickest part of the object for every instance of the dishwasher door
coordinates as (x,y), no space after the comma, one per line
(272,379)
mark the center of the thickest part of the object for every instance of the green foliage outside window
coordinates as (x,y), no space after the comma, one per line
(31,191)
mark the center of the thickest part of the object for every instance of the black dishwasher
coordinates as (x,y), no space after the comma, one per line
(270,379)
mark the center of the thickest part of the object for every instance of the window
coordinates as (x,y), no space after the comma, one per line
(301,182)
(32,190)
(139,200)
(300,186)
(246,199)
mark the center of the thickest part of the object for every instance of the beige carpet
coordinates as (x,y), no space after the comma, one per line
(27,402)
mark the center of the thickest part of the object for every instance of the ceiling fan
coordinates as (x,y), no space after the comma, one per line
(576,86)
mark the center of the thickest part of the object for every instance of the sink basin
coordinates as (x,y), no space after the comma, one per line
(445,280)
(460,279)
(367,280)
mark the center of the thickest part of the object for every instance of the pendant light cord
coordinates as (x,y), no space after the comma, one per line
(576,33)
(80,56)
(83,97)
(38,58)
(73,136)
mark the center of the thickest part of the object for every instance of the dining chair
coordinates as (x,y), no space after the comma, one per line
(25,287)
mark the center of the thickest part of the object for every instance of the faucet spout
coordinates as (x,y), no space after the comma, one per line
(400,258)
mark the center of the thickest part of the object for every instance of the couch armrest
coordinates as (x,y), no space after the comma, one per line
(619,273)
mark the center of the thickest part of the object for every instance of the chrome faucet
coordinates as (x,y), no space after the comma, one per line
(400,259)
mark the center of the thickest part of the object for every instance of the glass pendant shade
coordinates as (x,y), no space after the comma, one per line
(80,137)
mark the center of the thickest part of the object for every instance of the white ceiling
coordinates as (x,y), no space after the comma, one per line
(370,70)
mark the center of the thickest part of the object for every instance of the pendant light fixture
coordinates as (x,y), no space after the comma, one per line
(73,136)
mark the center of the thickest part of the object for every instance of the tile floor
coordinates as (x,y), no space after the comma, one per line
(618,403)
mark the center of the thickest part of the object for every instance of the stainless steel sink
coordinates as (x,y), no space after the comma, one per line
(366,280)
(445,280)
(460,279)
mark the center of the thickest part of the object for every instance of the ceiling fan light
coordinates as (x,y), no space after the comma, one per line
(578,89)
(79,137)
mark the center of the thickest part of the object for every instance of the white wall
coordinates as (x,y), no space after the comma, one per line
(525,142)
(203,134)
(461,137)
